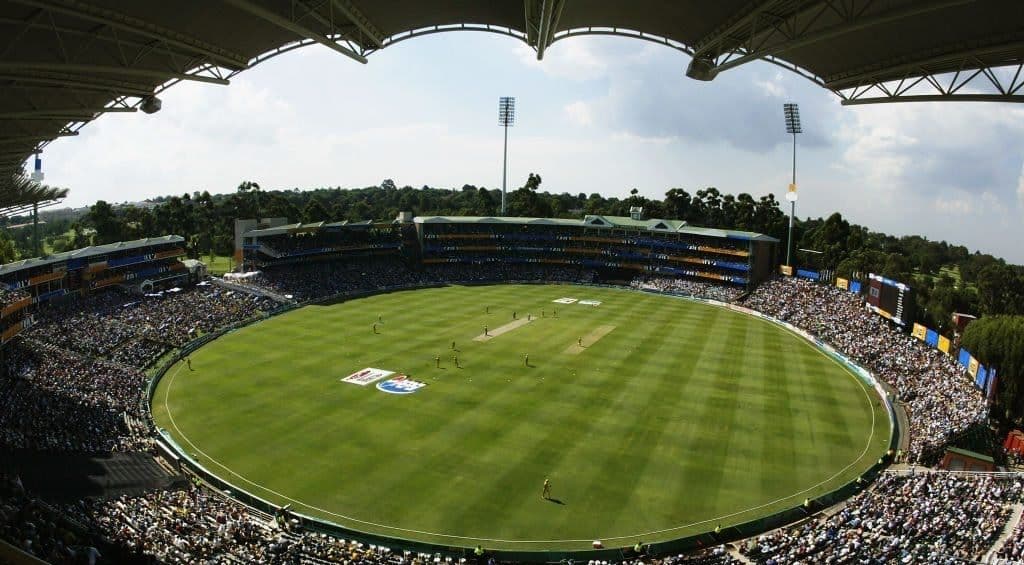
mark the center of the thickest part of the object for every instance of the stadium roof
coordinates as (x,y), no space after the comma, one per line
(87,252)
(607,222)
(65,62)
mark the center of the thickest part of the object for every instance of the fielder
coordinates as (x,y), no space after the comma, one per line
(545,492)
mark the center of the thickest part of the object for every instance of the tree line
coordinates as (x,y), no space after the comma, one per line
(946,277)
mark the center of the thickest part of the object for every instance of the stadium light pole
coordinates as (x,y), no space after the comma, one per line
(792,113)
(506,118)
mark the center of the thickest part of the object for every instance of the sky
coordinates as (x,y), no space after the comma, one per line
(598,114)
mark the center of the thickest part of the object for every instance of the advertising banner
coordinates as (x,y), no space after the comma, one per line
(843,283)
(965,357)
(981,380)
(931,338)
(972,367)
(367,376)
(919,331)
(944,344)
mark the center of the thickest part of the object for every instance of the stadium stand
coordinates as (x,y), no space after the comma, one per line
(617,246)
(903,518)
(74,382)
(936,392)
(139,266)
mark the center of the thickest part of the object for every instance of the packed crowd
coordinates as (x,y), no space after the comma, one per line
(1012,550)
(39,530)
(699,289)
(54,400)
(79,390)
(317,281)
(497,271)
(8,296)
(197,525)
(908,518)
(939,397)
(136,330)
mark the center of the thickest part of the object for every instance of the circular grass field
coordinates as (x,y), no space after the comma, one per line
(654,417)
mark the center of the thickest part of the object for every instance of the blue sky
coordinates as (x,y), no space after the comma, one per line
(599,114)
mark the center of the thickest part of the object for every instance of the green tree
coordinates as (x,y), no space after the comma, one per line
(252,188)
(315,211)
(8,252)
(998,342)
(109,227)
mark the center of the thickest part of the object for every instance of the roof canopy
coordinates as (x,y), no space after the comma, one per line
(88,252)
(65,62)
(601,222)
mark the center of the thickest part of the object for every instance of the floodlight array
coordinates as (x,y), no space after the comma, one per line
(506,111)
(792,112)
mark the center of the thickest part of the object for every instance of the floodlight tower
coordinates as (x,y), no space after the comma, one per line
(506,118)
(792,113)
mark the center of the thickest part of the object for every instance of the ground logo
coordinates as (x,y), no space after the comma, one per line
(367,376)
(400,385)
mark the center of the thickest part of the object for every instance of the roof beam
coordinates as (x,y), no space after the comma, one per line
(352,12)
(296,28)
(29,138)
(550,13)
(741,19)
(92,86)
(67,113)
(162,76)
(857,77)
(122,22)
(935,98)
(852,25)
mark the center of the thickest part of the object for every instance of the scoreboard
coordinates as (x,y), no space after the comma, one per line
(890,299)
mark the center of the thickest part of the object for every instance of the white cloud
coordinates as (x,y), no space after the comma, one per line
(572,59)
(1020,186)
(954,206)
(773,87)
(580,113)
(423,113)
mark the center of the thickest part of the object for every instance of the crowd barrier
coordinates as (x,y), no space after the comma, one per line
(799,511)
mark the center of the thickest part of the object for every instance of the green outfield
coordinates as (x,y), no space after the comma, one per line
(654,417)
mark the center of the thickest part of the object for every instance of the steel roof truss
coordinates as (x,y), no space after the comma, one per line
(292,25)
(343,32)
(93,85)
(972,73)
(25,26)
(749,15)
(89,70)
(170,38)
(551,13)
(794,37)
(28,138)
(356,16)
